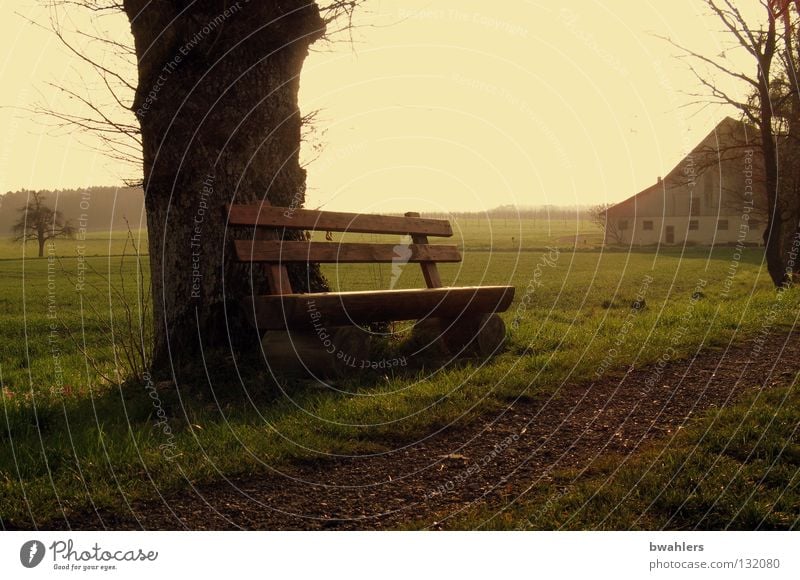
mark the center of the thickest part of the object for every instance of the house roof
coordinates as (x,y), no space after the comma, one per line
(726,126)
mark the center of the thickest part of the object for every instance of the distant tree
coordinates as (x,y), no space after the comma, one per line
(598,215)
(41,223)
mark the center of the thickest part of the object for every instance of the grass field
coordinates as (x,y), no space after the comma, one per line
(72,441)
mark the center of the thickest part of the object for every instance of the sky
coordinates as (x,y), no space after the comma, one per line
(446,105)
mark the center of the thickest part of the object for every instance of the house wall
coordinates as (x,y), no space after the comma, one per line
(708,230)
(717,194)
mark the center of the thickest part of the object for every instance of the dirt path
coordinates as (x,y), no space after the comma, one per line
(490,461)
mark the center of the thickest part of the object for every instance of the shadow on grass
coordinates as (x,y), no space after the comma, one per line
(63,453)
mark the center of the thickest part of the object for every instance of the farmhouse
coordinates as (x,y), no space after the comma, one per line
(715,195)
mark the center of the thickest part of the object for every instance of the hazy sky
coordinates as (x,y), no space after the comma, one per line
(447,104)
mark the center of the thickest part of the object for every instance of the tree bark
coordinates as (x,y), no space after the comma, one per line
(773,230)
(217,104)
(790,158)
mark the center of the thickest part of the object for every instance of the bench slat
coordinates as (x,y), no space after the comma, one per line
(344,308)
(277,274)
(327,252)
(430,271)
(329,221)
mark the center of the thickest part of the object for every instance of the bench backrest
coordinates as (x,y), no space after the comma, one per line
(268,247)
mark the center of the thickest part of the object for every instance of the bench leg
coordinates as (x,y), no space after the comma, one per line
(481,336)
(308,354)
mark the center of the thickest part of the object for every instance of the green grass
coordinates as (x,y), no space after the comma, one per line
(72,441)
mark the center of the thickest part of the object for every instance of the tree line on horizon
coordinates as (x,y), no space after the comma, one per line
(108,207)
(98,208)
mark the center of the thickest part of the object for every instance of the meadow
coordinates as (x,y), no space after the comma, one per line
(73,439)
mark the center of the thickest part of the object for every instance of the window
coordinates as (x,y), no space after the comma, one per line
(647,225)
(694,225)
(623,224)
(722,224)
(694,208)
(708,187)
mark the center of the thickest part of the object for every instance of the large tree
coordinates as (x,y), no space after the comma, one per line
(217,104)
(217,122)
(40,223)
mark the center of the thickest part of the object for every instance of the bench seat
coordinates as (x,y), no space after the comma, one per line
(279,312)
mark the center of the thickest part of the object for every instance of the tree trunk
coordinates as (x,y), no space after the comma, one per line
(790,158)
(773,232)
(40,239)
(217,105)
(786,207)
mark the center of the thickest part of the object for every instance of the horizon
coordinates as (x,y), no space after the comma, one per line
(502,207)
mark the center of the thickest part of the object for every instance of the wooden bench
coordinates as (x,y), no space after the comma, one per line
(464,317)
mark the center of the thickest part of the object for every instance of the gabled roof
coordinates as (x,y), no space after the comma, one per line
(676,176)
